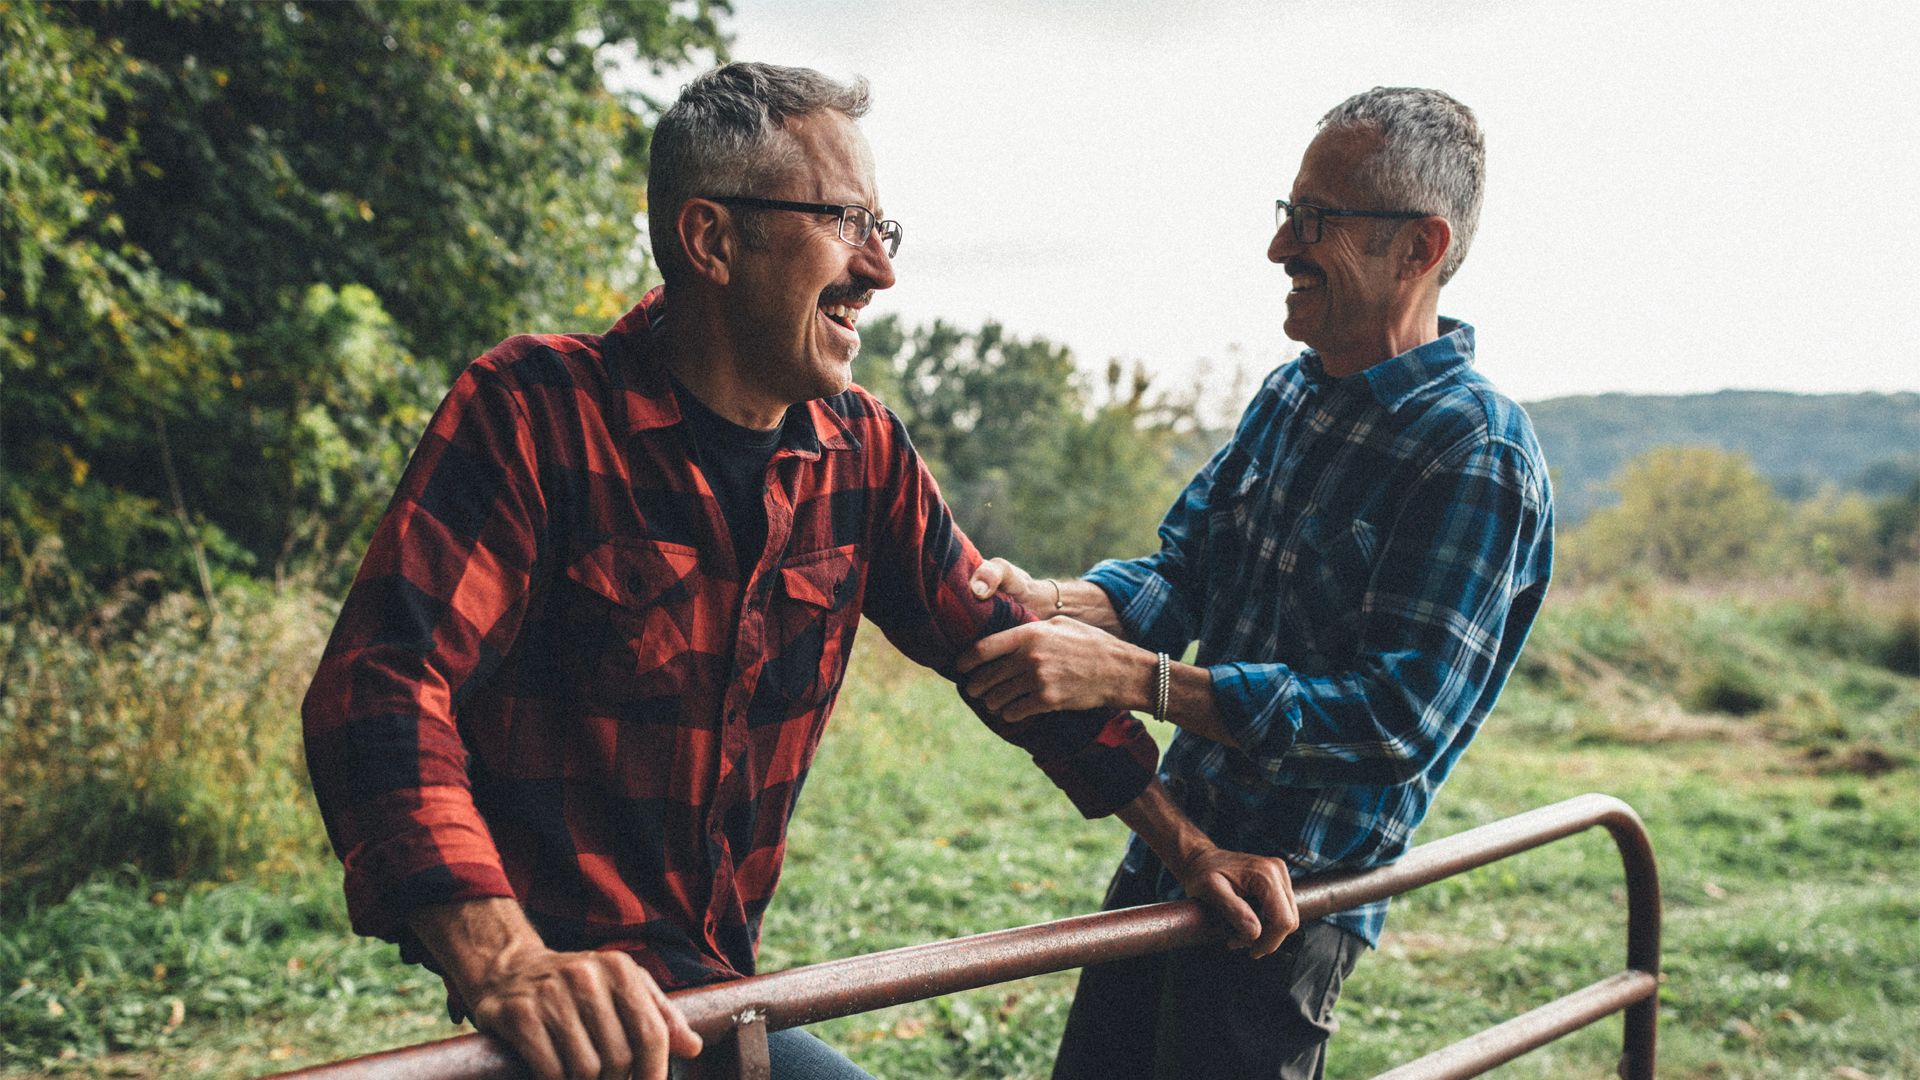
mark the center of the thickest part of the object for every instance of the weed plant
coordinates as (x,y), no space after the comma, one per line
(161,737)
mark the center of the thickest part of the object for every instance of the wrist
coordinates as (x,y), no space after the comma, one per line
(1172,836)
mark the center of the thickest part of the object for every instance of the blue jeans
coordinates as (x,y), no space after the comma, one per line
(797,1055)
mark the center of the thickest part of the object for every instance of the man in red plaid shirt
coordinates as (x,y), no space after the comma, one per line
(574,692)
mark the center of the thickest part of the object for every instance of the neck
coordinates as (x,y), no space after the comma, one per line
(1404,330)
(701,352)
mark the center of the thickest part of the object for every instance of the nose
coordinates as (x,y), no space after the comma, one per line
(873,263)
(1283,245)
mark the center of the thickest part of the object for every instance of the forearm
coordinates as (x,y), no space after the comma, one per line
(1190,699)
(1081,600)
(1253,894)
(471,939)
(1173,836)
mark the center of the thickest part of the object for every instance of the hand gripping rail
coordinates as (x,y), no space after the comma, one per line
(734,1017)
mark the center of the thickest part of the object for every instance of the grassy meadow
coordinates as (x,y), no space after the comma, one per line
(167,907)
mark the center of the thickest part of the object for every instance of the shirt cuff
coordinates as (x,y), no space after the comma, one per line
(1143,601)
(1109,772)
(1257,705)
(441,855)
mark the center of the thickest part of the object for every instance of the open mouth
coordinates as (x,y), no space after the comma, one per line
(1305,278)
(841,315)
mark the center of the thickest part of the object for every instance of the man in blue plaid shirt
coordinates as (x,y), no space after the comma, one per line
(1359,564)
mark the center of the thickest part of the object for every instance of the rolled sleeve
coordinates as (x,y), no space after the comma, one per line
(1258,704)
(436,603)
(920,596)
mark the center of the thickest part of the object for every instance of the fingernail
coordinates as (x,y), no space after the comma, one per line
(980,588)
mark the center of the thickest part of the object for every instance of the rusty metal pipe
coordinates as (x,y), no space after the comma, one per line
(862,983)
(1502,1043)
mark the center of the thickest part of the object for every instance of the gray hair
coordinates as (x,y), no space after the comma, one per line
(1432,158)
(725,136)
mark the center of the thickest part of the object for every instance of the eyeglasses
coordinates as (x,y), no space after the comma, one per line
(857,223)
(1309,220)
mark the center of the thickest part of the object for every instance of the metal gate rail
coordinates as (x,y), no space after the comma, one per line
(734,1017)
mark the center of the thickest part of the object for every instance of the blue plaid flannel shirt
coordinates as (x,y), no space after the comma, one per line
(1360,565)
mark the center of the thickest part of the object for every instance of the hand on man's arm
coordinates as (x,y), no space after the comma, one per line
(1047,597)
(1063,663)
(567,1014)
(1252,894)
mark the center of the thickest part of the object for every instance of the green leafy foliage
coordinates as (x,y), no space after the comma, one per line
(1799,442)
(1039,466)
(1697,513)
(1684,512)
(247,234)
(157,737)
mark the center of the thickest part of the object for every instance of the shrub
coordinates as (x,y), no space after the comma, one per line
(165,739)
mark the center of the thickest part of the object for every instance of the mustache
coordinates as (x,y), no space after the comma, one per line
(851,293)
(1300,266)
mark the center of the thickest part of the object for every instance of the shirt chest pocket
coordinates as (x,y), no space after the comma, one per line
(1234,505)
(634,629)
(811,616)
(1336,563)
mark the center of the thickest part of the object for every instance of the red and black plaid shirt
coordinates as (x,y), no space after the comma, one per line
(549,682)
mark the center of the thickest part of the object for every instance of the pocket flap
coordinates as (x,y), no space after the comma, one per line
(822,578)
(632,571)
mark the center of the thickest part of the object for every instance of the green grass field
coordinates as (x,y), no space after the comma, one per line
(1770,746)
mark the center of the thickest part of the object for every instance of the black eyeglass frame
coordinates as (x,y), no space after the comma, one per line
(890,230)
(1287,213)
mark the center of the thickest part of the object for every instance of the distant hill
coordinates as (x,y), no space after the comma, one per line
(1867,442)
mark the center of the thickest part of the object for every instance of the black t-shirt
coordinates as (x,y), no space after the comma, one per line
(734,459)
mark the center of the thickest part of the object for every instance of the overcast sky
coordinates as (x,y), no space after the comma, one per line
(1681,197)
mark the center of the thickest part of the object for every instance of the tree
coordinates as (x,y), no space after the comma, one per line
(1684,512)
(1034,467)
(182,176)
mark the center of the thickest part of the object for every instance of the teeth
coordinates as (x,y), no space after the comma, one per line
(849,314)
(1305,281)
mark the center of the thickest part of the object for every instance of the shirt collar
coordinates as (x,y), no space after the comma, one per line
(809,428)
(1400,379)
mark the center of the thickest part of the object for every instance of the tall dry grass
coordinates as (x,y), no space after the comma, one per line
(159,737)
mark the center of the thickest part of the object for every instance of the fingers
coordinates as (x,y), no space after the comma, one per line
(1004,686)
(642,1009)
(682,1040)
(1272,890)
(588,1015)
(612,1042)
(993,647)
(519,1024)
(1243,926)
(988,576)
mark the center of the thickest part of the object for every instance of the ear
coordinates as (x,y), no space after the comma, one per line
(707,239)
(1426,240)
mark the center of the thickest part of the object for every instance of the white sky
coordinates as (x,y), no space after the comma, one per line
(1681,197)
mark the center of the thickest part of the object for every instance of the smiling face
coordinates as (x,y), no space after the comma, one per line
(795,300)
(1345,297)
